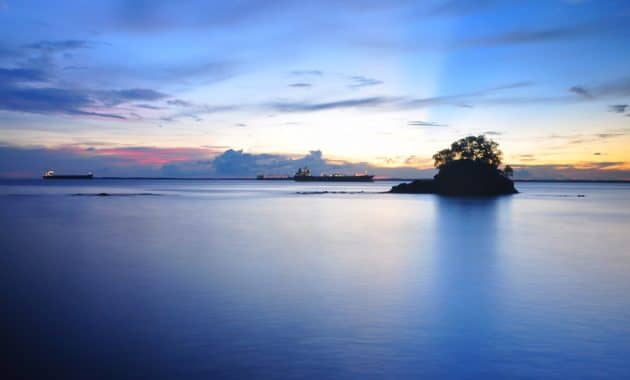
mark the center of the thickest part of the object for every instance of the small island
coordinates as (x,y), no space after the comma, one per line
(470,167)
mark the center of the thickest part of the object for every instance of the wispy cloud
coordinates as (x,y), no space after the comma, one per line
(581,91)
(370,102)
(56,46)
(420,123)
(148,107)
(196,111)
(617,170)
(116,97)
(460,7)
(359,81)
(609,135)
(466,98)
(551,33)
(307,72)
(394,102)
(300,85)
(16,75)
(619,108)
(179,103)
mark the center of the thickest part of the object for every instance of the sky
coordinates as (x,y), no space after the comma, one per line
(229,89)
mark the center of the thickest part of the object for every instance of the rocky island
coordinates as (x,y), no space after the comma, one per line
(469,168)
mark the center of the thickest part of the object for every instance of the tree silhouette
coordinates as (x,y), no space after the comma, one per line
(474,148)
(508,171)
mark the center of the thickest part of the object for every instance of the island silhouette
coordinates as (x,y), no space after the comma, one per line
(470,167)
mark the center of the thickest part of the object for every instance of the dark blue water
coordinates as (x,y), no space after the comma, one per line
(211,279)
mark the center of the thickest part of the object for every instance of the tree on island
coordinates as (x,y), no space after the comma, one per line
(469,167)
(475,148)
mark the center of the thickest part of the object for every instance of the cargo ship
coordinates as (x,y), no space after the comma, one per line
(52,175)
(273,177)
(304,175)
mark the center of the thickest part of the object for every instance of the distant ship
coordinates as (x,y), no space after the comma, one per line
(304,175)
(273,177)
(51,175)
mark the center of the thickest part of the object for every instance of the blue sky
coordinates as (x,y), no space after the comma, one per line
(179,87)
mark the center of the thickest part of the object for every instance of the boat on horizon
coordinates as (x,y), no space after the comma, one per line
(50,174)
(304,175)
(273,177)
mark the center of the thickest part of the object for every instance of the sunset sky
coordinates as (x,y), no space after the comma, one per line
(235,88)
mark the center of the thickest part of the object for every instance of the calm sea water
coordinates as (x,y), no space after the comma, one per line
(248,279)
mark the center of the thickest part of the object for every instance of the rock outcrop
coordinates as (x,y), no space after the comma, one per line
(462,178)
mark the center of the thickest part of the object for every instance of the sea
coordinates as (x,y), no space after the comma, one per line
(202,279)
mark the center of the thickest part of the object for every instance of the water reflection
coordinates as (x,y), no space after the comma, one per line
(273,284)
(466,282)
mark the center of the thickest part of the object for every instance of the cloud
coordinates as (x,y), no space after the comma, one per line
(527,36)
(575,139)
(619,108)
(465,99)
(204,72)
(101,114)
(301,84)
(524,36)
(307,72)
(236,163)
(44,100)
(460,7)
(581,91)
(591,171)
(27,90)
(526,157)
(152,156)
(57,46)
(195,112)
(497,37)
(399,102)
(614,88)
(178,103)
(141,16)
(19,75)
(358,81)
(493,133)
(148,106)
(414,160)
(618,87)
(420,123)
(609,135)
(370,102)
(116,97)
(611,89)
